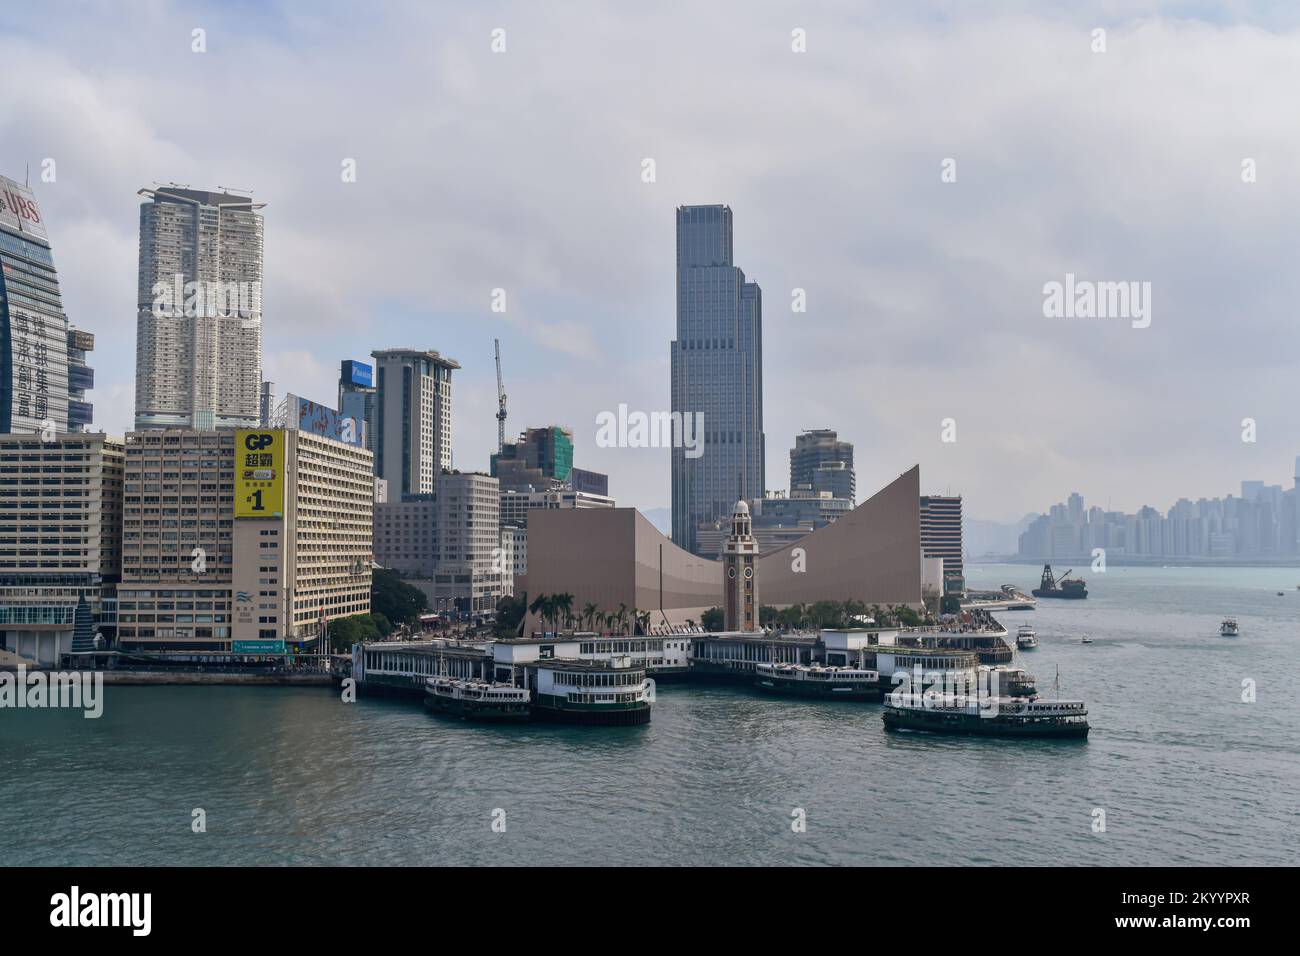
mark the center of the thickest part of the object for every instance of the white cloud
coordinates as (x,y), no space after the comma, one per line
(521,170)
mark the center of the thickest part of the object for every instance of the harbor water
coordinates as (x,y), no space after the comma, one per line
(1183,769)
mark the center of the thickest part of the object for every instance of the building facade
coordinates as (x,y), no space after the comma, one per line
(540,457)
(941,536)
(60,539)
(615,557)
(412,419)
(717,375)
(199,310)
(449,543)
(821,462)
(779,520)
(406,533)
(239,535)
(38,393)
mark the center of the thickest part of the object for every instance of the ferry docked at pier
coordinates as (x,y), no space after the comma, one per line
(477,700)
(978,632)
(974,716)
(825,683)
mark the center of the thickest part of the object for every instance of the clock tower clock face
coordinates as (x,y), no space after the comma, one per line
(731,571)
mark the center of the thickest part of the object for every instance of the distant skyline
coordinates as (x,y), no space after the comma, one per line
(515,172)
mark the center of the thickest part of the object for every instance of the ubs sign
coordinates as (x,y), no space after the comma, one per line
(19,210)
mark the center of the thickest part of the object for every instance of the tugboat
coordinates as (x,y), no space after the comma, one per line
(477,700)
(1026,638)
(1229,627)
(973,716)
(1067,587)
(826,683)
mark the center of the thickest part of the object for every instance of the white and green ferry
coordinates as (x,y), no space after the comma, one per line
(977,716)
(477,700)
(816,681)
(575,691)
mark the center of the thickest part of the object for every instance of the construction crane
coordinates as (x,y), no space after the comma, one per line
(501,402)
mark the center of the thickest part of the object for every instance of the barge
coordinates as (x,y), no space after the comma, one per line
(1068,588)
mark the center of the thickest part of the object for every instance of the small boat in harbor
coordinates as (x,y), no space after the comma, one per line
(1026,638)
(826,683)
(1086,640)
(1229,627)
(985,717)
(477,700)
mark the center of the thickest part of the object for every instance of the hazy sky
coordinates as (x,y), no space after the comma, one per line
(522,170)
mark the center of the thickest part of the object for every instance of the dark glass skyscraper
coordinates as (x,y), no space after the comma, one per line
(717,370)
(37,388)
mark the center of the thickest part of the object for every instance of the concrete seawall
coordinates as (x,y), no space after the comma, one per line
(142,678)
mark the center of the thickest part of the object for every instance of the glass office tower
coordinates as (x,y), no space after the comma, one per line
(34,386)
(717,369)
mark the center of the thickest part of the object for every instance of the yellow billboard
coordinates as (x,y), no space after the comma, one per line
(259,473)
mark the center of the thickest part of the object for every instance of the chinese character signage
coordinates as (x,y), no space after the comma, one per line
(259,473)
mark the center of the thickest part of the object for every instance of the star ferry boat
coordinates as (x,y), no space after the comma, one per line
(824,683)
(477,700)
(985,716)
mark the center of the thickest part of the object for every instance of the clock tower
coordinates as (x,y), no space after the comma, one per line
(740,573)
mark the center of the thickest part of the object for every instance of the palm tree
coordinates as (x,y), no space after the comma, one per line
(540,607)
(564,608)
(643,618)
(589,614)
(622,617)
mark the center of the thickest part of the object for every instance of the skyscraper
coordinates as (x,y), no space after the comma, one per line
(717,370)
(412,419)
(36,389)
(357,396)
(823,463)
(542,457)
(199,310)
(941,535)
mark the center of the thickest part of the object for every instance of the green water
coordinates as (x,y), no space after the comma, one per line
(1185,771)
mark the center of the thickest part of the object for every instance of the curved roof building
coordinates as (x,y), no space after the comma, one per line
(614,556)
